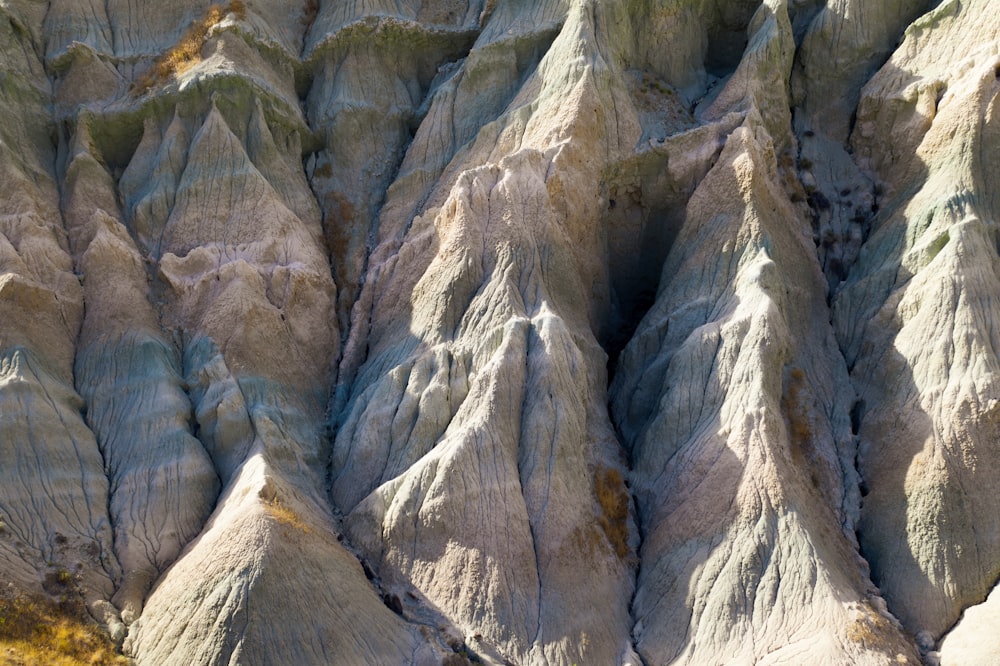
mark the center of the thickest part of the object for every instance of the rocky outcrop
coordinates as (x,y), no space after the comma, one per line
(504,332)
(54,490)
(914,319)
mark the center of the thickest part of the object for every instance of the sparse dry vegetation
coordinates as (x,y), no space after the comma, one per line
(286,516)
(798,426)
(37,630)
(800,429)
(186,53)
(613,499)
(871,630)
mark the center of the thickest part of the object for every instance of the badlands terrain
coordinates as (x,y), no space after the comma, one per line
(534,332)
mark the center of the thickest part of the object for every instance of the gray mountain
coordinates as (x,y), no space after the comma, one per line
(554,332)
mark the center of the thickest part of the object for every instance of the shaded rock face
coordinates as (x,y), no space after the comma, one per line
(505,332)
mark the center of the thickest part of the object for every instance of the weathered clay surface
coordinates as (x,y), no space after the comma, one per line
(915,319)
(498,331)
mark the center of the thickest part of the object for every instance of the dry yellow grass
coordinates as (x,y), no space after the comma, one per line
(186,53)
(40,631)
(286,516)
(871,630)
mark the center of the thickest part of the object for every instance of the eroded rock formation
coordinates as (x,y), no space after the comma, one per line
(546,332)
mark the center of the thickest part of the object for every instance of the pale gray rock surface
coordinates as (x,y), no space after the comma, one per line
(53,487)
(161,479)
(495,331)
(726,389)
(915,319)
(972,640)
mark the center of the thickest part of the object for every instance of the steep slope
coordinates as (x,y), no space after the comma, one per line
(498,331)
(194,207)
(915,319)
(741,451)
(162,482)
(476,425)
(53,489)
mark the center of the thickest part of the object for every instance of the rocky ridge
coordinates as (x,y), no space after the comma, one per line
(504,332)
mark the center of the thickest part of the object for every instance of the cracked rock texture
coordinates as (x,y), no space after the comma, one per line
(552,332)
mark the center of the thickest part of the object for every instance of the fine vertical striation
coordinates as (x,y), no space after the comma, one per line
(494,331)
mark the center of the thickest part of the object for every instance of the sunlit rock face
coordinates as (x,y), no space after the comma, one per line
(558,332)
